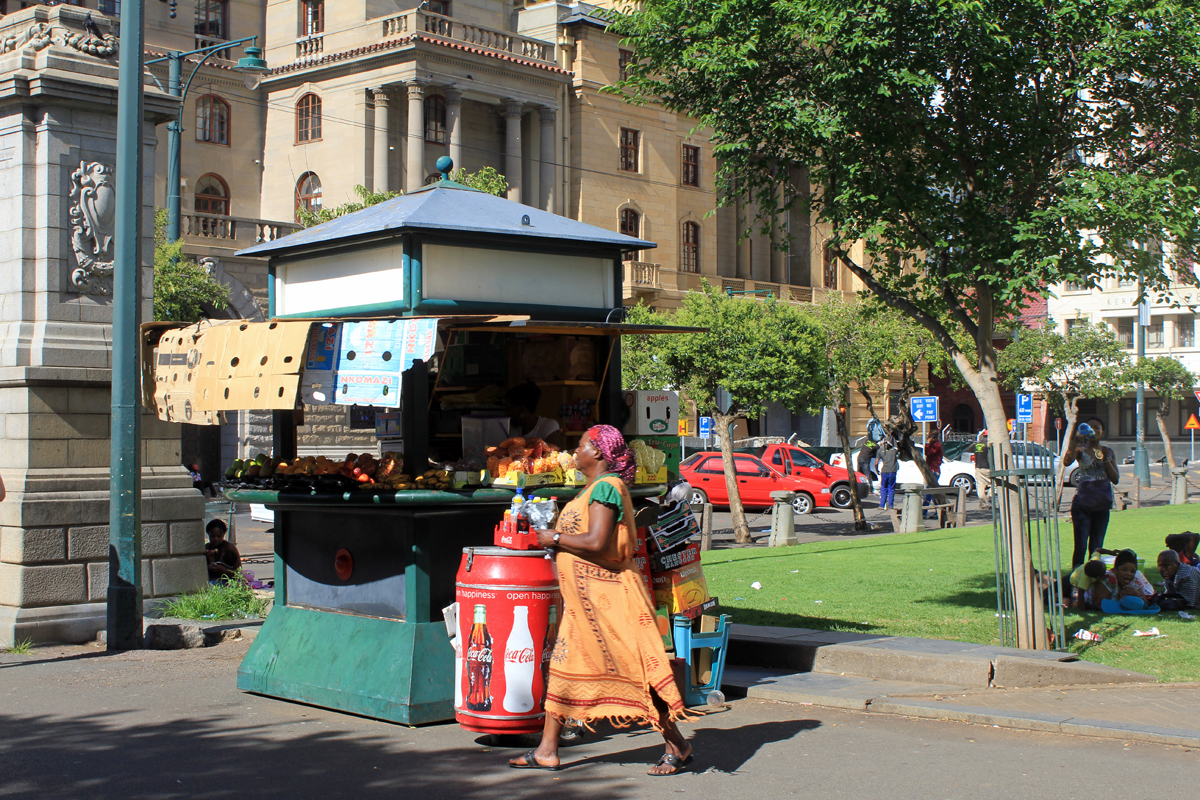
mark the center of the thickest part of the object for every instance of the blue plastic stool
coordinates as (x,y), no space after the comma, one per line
(687,642)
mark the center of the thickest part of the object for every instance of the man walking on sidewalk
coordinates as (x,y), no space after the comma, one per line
(889,463)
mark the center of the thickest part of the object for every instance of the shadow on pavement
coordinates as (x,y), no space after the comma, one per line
(103,756)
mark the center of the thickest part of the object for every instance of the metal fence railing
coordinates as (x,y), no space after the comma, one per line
(1030,482)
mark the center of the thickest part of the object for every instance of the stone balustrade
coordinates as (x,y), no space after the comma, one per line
(643,274)
(238,231)
(477,35)
(310,47)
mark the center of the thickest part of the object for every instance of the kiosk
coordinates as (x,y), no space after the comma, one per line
(504,294)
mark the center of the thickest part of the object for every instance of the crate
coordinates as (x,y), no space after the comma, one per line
(688,646)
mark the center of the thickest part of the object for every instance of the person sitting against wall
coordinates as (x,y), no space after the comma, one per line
(224,561)
(521,405)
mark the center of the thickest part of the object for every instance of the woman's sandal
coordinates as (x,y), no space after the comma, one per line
(676,764)
(531,762)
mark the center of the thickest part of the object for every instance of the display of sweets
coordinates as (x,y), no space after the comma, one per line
(575,415)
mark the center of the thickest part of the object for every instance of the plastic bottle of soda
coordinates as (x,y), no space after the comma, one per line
(518,664)
(479,663)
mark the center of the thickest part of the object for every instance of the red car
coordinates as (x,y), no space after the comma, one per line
(706,474)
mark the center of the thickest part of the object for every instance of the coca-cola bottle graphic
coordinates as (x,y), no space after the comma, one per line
(479,664)
(548,647)
(518,664)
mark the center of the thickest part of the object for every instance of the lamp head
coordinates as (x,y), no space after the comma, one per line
(252,66)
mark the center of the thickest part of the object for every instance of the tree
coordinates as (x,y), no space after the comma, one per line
(485,180)
(980,150)
(1170,380)
(366,199)
(758,352)
(1089,362)
(183,290)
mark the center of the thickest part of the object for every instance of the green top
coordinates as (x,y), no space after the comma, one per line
(609,495)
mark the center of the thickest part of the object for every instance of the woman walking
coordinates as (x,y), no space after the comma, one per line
(609,661)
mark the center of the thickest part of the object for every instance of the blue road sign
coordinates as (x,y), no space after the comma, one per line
(705,427)
(1025,408)
(923,409)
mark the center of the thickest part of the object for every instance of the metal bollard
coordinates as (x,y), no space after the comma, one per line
(1179,486)
(783,520)
(910,509)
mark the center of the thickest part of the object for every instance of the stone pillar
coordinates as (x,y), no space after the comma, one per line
(512,160)
(546,177)
(56,251)
(454,127)
(379,177)
(415,162)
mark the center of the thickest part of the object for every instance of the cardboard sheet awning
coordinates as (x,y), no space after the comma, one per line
(202,369)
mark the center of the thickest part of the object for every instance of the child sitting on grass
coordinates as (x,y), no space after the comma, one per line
(1084,577)
(1185,545)
(1123,580)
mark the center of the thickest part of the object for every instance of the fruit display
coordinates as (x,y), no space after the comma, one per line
(649,459)
(517,454)
(360,471)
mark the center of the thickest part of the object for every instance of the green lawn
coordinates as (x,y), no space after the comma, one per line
(941,585)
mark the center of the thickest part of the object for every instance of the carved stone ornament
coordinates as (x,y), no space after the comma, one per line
(41,35)
(92,213)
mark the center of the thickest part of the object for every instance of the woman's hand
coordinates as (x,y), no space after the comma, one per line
(545,537)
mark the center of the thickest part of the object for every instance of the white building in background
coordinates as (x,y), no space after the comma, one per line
(1172,332)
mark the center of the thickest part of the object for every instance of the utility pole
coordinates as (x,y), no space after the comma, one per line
(1141,460)
(125,432)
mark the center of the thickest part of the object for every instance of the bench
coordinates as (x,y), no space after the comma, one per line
(950,505)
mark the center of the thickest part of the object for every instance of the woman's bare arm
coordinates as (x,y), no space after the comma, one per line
(602,522)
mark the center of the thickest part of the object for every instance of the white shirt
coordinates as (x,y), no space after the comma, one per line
(541,429)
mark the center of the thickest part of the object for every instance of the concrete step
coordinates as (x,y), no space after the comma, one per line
(818,689)
(912,660)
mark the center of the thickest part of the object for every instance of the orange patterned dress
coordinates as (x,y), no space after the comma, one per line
(609,655)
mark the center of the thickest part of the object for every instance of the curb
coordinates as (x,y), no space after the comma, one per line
(1035,722)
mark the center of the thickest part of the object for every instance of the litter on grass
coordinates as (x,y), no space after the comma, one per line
(1185,615)
(818,602)
(1152,632)
(1088,636)
(756,585)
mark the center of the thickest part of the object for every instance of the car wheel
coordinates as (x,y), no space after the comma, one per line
(960,481)
(841,496)
(803,503)
(1073,478)
(698,497)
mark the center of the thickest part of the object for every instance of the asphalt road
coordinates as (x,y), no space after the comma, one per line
(78,723)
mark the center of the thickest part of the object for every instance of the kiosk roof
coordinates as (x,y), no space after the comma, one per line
(447,207)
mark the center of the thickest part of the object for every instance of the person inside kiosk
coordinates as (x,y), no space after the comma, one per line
(521,403)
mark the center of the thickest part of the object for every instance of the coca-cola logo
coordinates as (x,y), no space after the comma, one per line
(479,653)
(522,656)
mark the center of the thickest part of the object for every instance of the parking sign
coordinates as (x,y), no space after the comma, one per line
(923,409)
(1025,408)
(705,427)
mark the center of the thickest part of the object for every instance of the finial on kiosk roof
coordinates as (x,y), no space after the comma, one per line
(445,165)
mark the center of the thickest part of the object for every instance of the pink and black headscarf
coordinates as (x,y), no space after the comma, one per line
(611,445)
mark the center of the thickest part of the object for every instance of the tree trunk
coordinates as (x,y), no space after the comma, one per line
(1071,412)
(741,531)
(1162,431)
(860,519)
(1029,615)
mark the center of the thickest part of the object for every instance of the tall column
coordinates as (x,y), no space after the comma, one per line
(546,177)
(454,128)
(382,154)
(415,162)
(512,161)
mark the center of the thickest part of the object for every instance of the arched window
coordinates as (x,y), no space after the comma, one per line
(631,225)
(308,119)
(308,192)
(435,119)
(689,252)
(432,178)
(212,120)
(212,195)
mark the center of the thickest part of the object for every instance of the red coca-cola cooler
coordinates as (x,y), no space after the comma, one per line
(508,611)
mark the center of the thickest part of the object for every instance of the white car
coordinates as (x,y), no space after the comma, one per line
(954,473)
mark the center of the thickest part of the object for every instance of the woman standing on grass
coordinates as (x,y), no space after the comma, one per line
(609,661)
(1093,489)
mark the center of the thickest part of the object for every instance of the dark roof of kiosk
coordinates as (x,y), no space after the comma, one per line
(447,207)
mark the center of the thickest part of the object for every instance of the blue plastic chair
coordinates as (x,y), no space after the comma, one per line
(687,642)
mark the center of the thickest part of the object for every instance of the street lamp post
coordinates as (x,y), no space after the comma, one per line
(1141,460)
(252,66)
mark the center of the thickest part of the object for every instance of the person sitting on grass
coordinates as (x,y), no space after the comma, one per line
(1182,582)
(1123,580)
(1184,545)
(224,561)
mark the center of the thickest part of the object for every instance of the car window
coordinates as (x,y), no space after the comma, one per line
(1018,449)
(803,459)
(749,467)
(1039,451)
(777,458)
(712,464)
